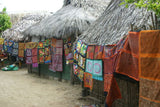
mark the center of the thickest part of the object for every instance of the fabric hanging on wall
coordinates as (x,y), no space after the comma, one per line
(80,59)
(5,45)
(15,49)
(35,65)
(41,55)
(95,67)
(41,52)
(21,50)
(1,44)
(149,67)
(88,81)
(90,52)
(10,46)
(31,45)
(83,50)
(68,51)
(1,41)
(128,59)
(31,53)
(57,55)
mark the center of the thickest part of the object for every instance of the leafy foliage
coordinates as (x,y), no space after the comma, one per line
(153,5)
(5,22)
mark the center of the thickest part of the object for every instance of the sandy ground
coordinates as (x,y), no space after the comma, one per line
(20,89)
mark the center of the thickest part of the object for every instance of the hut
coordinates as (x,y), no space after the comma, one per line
(108,29)
(15,33)
(20,23)
(70,21)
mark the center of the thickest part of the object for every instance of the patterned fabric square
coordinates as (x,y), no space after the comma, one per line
(40,45)
(59,43)
(29,52)
(1,47)
(90,51)
(59,51)
(75,69)
(28,60)
(95,68)
(48,59)
(21,46)
(35,65)
(41,52)
(21,53)
(47,51)
(41,59)
(34,52)
(57,63)
(31,45)
(78,46)
(83,49)
(47,42)
(15,45)
(34,59)
(80,74)
(54,42)
(88,81)
(81,62)
(1,41)
(15,52)
(98,52)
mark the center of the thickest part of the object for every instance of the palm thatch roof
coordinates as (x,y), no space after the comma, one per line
(72,19)
(116,22)
(15,33)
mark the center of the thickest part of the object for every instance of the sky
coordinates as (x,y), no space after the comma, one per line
(18,6)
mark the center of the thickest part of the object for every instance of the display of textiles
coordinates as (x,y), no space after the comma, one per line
(21,49)
(68,51)
(15,49)
(57,55)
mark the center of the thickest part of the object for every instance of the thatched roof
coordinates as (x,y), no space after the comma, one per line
(72,19)
(15,33)
(115,23)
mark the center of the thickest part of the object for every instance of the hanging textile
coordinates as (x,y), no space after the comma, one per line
(5,45)
(57,55)
(21,50)
(110,58)
(80,59)
(128,59)
(88,81)
(149,67)
(68,51)
(41,52)
(1,44)
(95,68)
(15,49)
(31,53)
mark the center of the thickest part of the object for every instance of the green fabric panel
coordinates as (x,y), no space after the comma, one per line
(66,72)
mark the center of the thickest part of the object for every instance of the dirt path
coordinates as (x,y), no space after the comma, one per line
(20,89)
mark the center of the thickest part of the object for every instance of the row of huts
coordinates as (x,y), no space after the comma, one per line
(94,22)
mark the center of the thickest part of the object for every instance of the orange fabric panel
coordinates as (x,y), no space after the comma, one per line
(149,66)
(114,93)
(128,65)
(150,42)
(128,59)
